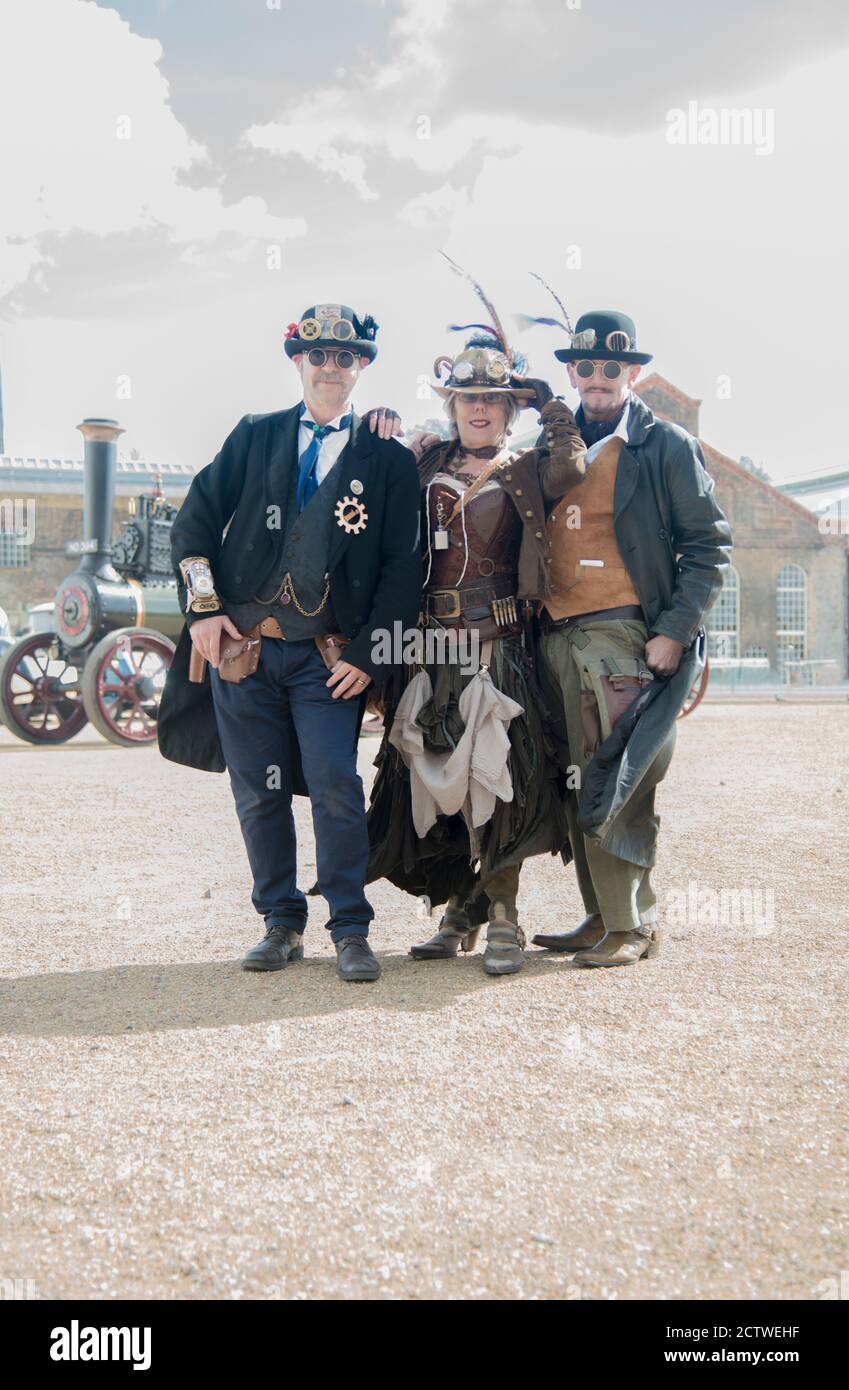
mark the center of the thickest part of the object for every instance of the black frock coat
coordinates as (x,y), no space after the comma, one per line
(233,514)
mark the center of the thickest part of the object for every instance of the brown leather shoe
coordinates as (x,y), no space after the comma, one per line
(621,948)
(454,935)
(586,935)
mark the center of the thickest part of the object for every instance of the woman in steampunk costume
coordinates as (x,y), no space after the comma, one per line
(467,784)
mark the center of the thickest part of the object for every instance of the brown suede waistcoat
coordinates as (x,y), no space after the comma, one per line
(577,588)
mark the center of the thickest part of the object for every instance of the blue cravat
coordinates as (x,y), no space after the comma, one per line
(307,480)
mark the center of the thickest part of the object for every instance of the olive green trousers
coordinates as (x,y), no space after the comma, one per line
(600,669)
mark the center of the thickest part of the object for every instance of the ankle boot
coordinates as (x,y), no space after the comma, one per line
(505,943)
(622,948)
(454,934)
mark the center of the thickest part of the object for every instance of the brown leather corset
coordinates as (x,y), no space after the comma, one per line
(493,536)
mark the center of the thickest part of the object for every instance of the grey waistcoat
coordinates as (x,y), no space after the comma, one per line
(304,554)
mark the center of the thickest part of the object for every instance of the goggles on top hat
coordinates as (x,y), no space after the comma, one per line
(340,329)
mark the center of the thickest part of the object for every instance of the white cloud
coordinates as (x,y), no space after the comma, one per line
(312,141)
(480,71)
(430,208)
(90,143)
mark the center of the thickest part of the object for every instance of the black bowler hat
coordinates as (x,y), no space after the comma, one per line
(332,326)
(603,335)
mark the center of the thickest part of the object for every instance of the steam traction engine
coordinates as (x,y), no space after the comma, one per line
(116,621)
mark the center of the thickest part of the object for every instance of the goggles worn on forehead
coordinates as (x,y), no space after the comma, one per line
(612,370)
(340,329)
(344,357)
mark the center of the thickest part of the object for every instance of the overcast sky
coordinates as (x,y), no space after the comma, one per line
(181,178)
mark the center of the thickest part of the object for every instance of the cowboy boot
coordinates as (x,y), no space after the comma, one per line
(505,944)
(454,934)
(586,935)
(622,948)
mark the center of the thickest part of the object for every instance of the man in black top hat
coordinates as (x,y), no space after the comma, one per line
(622,636)
(293,549)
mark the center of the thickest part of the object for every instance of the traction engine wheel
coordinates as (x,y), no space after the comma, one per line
(40,698)
(122,684)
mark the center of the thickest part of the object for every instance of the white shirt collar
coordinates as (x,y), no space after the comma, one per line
(621,432)
(307,418)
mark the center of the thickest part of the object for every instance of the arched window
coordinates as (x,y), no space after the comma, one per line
(791,626)
(724,619)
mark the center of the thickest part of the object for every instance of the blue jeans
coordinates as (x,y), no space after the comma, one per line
(254,718)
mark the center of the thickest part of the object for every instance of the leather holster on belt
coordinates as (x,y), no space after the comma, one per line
(239,657)
(330,645)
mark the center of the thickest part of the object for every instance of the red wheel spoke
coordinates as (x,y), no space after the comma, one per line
(41,696)
(128,699)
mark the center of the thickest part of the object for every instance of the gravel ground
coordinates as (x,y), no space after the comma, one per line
(173,1127)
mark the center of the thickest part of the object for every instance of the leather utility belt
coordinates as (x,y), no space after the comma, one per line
(492,604)
(239,657)
(624,612)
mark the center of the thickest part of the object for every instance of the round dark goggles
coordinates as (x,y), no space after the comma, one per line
(612,370)
(344,357)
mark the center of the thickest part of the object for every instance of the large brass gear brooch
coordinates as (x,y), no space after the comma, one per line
(351,515)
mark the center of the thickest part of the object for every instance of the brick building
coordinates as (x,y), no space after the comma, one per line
(787,596)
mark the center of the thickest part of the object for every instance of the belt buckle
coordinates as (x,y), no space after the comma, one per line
(456,611)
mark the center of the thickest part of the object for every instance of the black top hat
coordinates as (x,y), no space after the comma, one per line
(332,326)
(603,335)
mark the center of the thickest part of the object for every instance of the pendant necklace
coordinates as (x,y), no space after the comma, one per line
(440,534)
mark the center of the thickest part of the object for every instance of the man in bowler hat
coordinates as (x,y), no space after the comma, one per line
(622,640)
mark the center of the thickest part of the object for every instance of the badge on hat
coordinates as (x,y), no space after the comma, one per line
(329,325)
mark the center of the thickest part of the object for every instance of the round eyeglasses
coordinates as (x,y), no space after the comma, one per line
(612,370)
(343,356)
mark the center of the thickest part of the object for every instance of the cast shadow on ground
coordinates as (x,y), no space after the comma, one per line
(155,998)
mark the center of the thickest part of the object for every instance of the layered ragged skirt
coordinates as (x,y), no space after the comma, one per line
(445,863)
